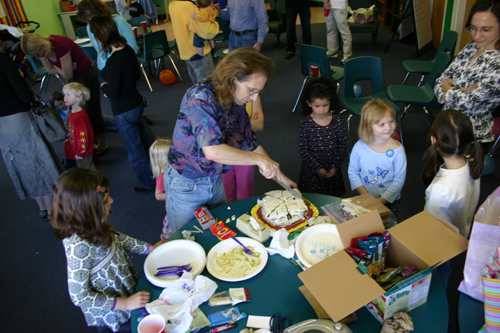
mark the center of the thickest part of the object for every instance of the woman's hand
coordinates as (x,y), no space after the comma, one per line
(284,179)
(136,301)
(472,87)
(326,5)
(268,168)
(446,85)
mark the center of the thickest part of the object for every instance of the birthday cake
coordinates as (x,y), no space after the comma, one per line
(281,209)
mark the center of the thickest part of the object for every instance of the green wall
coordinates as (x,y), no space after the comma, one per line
(45,12)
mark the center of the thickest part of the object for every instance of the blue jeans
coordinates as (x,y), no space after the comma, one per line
(185,195)
(200,69)
(235,42)
(137,138)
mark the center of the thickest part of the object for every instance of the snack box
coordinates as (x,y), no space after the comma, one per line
(335,288)
(204,217)
(221,231)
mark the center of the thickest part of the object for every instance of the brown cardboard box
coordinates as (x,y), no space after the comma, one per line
(422,240)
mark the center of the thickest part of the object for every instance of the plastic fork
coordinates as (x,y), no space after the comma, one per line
(178,272)
(184,267)
(247,250)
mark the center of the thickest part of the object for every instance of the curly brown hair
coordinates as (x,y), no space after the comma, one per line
(239,64)
(79,207)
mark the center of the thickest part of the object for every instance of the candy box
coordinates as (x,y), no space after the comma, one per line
(221,231)
(336,288)
(204,217)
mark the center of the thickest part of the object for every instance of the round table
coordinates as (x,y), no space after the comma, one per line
(275,288)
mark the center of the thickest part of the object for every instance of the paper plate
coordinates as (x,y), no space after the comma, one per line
(225,51)
(226,246)
(317,243)
(82,40)
(177,252)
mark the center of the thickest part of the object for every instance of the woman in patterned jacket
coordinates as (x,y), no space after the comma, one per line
(471,84)
(101,277)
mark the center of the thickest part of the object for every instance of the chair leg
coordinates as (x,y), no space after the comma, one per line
(59,78)
(300,93)
(406,78)
(349,143)
(41,84)
(405,111)
(429,115)
(421,80)
(175,67)
(278,37)
(401,130)
(182,62)
(146,77)
(495,147)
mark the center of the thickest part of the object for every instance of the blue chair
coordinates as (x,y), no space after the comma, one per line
(155,47)
(421,95)
(316,56)
(423,67)
(361,69)
(42,71)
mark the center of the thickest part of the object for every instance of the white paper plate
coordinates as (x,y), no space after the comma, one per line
(82,40)
(317,243)
(225,51)
(229,244)
(177,252)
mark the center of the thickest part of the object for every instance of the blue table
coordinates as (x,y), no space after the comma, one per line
(470,314)
(275,289)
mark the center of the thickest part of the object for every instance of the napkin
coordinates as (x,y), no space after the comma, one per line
(281,245)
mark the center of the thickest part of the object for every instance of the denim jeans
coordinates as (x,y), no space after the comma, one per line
(235,42)
(185,195)
(200,69)
(137,138)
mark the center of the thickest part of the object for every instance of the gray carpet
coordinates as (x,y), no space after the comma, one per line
(33,280)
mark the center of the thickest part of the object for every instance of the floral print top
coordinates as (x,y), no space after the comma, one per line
(480,103)
(202,122)
(96,276)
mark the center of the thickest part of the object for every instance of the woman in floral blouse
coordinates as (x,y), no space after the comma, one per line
(471,84)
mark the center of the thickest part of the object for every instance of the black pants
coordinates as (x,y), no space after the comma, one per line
(304,13)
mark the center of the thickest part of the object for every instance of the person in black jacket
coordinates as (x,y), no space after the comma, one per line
(30,159)
(120,75)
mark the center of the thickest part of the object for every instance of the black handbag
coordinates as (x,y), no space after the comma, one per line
(50,122)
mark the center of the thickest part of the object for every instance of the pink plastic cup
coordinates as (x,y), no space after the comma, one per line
(153,323)
(144,25)
(314,70)
(327,11)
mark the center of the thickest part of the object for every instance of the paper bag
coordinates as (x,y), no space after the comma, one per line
(180,299)
(485,235)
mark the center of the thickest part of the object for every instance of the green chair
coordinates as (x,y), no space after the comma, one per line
(361,69)
(155,47)
(316,56)
(423,67)
(421,95)
(222,36)
(82,32)
(277,19)
(371,27)
(42,71)
(172,44)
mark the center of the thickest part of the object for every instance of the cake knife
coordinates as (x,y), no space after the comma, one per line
(296,194)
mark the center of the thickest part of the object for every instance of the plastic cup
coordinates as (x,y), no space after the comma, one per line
(144,25)
(134,29)
(314,70)
(327,11)
(153,323)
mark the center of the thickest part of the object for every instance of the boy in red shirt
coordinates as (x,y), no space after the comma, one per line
(79,145)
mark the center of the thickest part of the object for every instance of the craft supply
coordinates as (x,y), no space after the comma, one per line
(221,231)
(226,316)
(204,217)
(278,323)
(197,228)
(232,296)
(223,328)
(250,227)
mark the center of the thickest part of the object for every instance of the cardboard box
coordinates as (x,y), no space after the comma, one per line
(204,217)
(335,288)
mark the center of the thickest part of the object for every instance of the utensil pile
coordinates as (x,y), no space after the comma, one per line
(171,270)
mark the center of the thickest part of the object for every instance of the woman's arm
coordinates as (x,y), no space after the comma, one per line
(112,87)
(257,118)
(67,66)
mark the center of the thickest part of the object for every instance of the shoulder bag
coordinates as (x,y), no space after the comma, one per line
(50,122)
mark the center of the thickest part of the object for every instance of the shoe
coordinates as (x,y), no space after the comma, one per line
(43,214)
(140,189)
(332,54)
(100,151)
(289,55)
(344,60)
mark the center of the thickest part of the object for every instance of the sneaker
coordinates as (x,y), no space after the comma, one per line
(289,55)
(140,189)
(344,60)
(332,54)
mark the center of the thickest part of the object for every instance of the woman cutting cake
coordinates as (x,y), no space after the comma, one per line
(212,132)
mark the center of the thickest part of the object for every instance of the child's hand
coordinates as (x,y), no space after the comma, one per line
(331,173)
(78,157)
(382,200)
(323,173)
(157,244)
(193,15)
(137,300)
